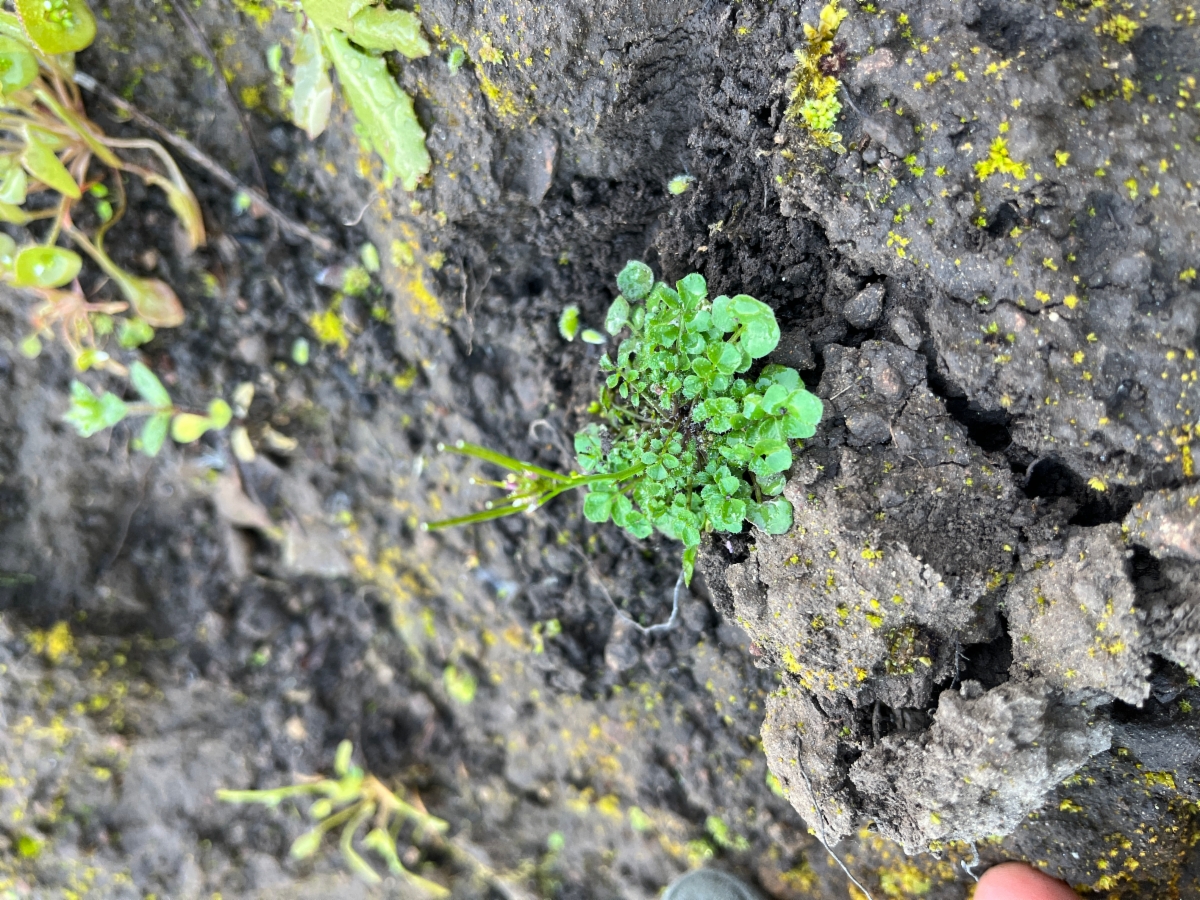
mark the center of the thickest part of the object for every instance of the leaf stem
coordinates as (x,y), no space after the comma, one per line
(499,459)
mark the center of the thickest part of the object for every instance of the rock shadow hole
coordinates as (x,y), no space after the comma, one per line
(1050,477)
(990,429)
(987,662)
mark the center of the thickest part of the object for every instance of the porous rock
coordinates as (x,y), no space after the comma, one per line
(1073,619)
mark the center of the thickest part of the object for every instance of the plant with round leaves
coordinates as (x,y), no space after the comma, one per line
(687,440)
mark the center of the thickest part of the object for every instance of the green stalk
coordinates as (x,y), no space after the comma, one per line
(270,797)
(79,126)
(346,844)
(473,519)
(499,459)
(563,483)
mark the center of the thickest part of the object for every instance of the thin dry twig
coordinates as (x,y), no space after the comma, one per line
(202,41)
(204,161)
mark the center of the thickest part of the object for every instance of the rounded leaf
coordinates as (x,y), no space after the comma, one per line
(133,333)
(306,845)
(153,300)
(342,759)
(772,485)
(45,267)
(761,337)
(806,408)
(773,516)
(618,316)
(380,28)
(622,510)
(748,309)
(597,506)
(568,322)
(18,67)
(188,427)
(783,376)
(693,289)
(219,413)
(57,26)
(725,357)
(635,280)
(774,399)
(321,809)
(727,515)
(90,413)
(722,317)
(13,214)
(13,186)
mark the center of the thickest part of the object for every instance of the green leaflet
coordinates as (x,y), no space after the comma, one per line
(90,413)
(635,280)
(146,383)
(18,67)
(378,28)
(13,186)
(152,299)
(14,215)
(132,333)
(154,433)
(568,322)
(383,110)
(371,27)
(45,267)
(312,91)
(39,160)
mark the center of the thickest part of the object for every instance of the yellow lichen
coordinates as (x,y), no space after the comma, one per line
(1120,27)
(998,160)
(329,328)
(56,644)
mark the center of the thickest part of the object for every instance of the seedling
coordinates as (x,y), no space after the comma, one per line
(351,35)
(91,412)
(353,801)
(687,442)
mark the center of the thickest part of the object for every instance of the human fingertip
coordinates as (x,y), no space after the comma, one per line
(1021,881)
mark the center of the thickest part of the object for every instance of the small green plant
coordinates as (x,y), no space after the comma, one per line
(91,413)
(687,441)
(352,35)
(46,154)
(813,83)
(48,151)
(352,801)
